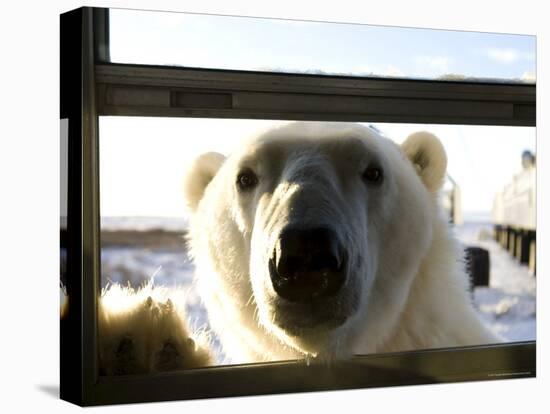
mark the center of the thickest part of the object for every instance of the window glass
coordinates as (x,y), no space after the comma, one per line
(276,45)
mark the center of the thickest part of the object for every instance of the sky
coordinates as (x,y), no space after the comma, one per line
(143,160)
(210,41)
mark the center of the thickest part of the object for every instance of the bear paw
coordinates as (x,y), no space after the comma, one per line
(142,331)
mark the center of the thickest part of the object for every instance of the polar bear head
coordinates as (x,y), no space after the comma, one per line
(311,234)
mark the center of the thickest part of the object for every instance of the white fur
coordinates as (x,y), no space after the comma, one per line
(428,157)
(407,288)
(136,325)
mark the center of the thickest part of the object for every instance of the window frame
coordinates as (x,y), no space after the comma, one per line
(93,87)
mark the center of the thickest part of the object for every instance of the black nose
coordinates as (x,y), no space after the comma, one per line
(307,264)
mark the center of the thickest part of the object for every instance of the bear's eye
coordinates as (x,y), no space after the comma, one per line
(246,180)
(373,175)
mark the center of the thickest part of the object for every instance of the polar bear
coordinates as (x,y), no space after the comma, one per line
(319,240)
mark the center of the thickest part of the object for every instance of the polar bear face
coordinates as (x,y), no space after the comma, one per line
(311,233)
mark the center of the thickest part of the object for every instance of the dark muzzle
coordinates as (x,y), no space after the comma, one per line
(307,264)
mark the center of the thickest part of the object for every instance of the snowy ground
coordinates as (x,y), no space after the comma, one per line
(507,305)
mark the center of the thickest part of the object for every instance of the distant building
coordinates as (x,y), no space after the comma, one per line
(514,212)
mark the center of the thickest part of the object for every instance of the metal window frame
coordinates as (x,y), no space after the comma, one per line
(140,90)
(92,87)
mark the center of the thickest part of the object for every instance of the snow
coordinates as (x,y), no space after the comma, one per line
(507,305)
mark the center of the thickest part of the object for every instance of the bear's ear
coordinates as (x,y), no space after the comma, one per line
(428,157)
(198,176)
